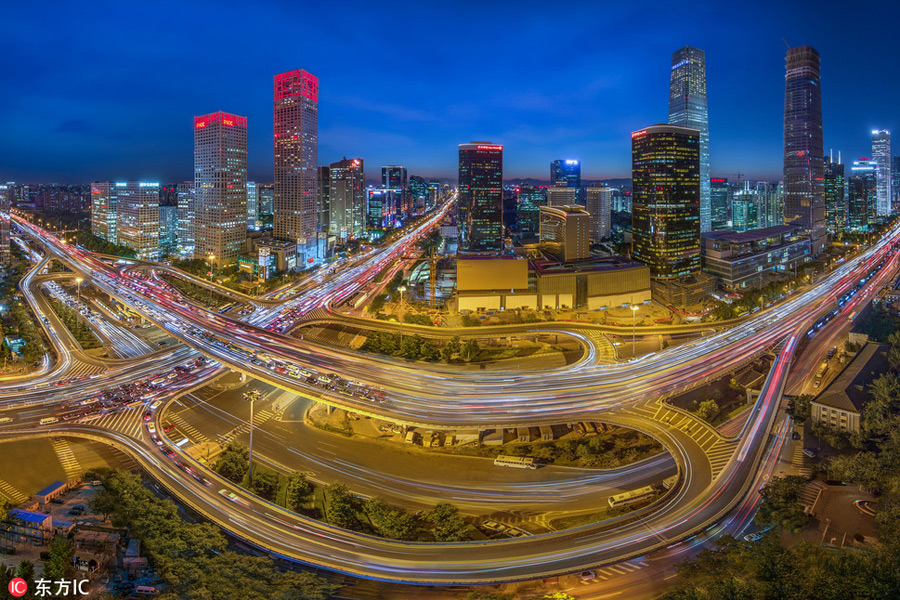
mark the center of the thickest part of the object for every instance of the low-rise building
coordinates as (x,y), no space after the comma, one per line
(742,259)
(26,527)
(841,403)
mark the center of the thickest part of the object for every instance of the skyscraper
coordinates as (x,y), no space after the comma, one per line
(687,108)
(295,201)
(720,203)
(771,203)
(528,207)
(137,225)
(835,207)
(881,154)
(561,196)
(103,210)
(862,194)
(168,229)
(220,184)
(347,198)
(185,193)
(745,209)
(666,199)
(895,181)
(252,205)
(7,192)
(598,202)
(804,157)
(480,201)
(566,173)
(394,177)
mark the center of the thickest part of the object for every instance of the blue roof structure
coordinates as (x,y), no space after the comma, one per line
(28,516)
(51,488)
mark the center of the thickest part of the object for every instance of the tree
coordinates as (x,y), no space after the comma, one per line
(469,350)
(798,407)
(340,509)
(448,526)
(103,503)
(59,565)
(447,352)
(390,522)
(781,505)
(233,462)
(265,483)
(707,409)
(299,489)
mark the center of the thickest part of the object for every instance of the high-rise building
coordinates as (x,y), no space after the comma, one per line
(835,205)
(666,200)
(137,225)
(528,207)
(295,200)
(720,203)
(418,191)
(862,194)
(565,232)
(382,207)
(103,210)
(688,108)
(347,198)
(561,196)
(770,203)
(511,209)
(252,205)
(566,173)
(745,209)
(168,229)
(881,154)
(895,182)
(324,179)
(7,193)
(394,177)
(804,156)
(266,198)
(480,200)
(220,186)
(598,202)
(185,193)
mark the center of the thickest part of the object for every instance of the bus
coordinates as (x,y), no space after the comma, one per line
(516,462)
(632,497)
(49,420)
(669,482)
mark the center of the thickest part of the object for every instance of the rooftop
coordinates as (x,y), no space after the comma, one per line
(849,391)
(740,237)
(588,265)
(51,488)
(28,516)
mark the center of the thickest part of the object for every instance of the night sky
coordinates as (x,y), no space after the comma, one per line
(97,90)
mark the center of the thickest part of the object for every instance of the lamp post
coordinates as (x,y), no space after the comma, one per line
(401,289)
(252,397)
(78,280)
(634,309)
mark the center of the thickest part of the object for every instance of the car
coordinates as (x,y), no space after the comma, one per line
(588,575)
(809,452)
(148,415)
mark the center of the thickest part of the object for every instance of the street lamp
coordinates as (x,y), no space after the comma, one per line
(252,396)
(634,309)
(401,289)
(78,280)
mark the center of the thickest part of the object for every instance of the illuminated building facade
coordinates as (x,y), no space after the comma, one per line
(137,211)
(347,198)
(295,199)
(184,191)
(252,205)
(598,202)
(720,203)
(881,154)
(666,200)
(103,210)
(566,173)
(862,194)
(220,186)
(835,204)
(688,108)
(480,202)
(804,157)
(529,201)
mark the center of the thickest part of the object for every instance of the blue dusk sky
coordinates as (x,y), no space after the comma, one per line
(107,90)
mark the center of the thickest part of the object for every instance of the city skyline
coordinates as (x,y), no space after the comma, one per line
(415,121)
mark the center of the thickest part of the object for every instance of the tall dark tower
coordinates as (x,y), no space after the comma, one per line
(665,176)
(804,156)
(480,202)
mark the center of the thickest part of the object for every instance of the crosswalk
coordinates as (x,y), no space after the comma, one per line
(79,369)
(11,493)
(186,428)
(718,450)
(622,568)
(66,457)
(258,419)
(127,421)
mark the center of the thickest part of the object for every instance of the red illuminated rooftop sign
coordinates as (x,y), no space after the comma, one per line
(489,147)
(225,118)
(297,82)
(637,133)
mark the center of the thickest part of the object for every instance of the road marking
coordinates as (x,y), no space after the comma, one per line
(14,495)
(66,457)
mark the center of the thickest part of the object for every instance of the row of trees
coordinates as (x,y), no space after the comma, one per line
(97,244)
(753,298)
(193,558)
(18,320)
(417,348)
(77,327)
(442,524)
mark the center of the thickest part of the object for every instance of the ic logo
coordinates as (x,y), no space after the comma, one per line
(18,587)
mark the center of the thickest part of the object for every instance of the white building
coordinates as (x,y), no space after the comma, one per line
(137,223)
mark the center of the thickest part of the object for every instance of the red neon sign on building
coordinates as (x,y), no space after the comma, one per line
(297,82)
(225,118)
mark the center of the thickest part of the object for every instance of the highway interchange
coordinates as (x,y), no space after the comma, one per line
(718,475)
